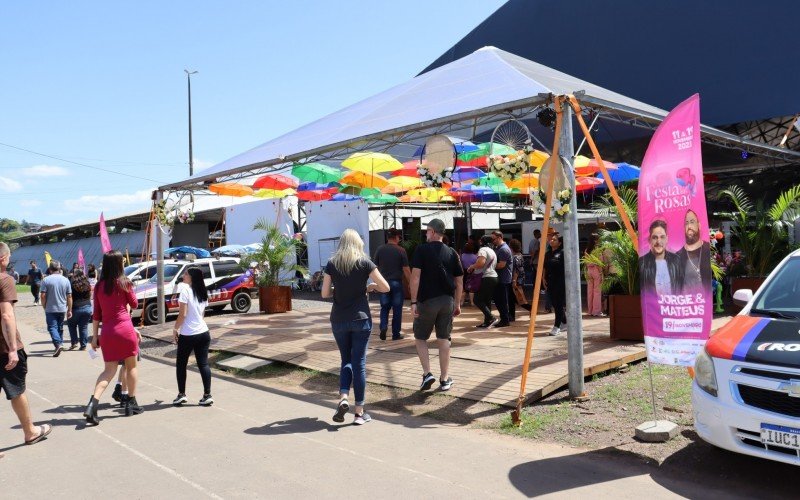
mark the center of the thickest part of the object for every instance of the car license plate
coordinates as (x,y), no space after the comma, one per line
(778,435)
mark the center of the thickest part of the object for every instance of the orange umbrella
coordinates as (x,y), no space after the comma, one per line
(524,181)
(230,189)
(363,179)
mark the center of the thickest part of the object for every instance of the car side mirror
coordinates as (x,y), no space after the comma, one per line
(742,296)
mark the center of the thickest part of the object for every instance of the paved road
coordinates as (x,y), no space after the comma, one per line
(260,441)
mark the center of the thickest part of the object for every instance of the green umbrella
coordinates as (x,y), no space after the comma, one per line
(358,190)
(490,180)
(483,150)
(381,198)
(316,172)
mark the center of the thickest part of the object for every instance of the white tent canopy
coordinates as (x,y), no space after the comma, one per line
(488,81)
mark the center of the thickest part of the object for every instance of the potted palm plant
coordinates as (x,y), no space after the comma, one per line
(760,232)
(618,256)
(274,266)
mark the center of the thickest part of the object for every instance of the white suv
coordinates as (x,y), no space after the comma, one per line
(227,284)
(746,391)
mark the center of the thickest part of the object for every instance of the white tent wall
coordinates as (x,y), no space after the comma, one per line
(240,219)
(326,220)
(480,220)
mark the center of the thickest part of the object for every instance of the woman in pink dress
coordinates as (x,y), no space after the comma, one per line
(118,339)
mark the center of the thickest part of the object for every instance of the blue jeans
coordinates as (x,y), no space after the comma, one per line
(393,299)
(79,323)
(55,327)
(352,338)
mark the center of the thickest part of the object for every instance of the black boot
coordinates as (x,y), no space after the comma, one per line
(117,394)
(122,399)
(132,407)
(91,411)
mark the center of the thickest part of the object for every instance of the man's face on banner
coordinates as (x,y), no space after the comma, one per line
(658,241)
(691,228)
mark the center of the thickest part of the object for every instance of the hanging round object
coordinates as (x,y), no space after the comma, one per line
(719,235)
(509,134)
(559,169)
(439,154)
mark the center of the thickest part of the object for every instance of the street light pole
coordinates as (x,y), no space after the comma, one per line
(189,89)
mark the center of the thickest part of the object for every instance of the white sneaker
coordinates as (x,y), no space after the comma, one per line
(555,331)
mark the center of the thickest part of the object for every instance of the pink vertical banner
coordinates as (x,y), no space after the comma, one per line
(81,260)
(674,248)
(105,243)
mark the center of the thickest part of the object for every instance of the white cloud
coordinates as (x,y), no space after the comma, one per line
(140,200)
(30,203)
(45,171)
(9,185)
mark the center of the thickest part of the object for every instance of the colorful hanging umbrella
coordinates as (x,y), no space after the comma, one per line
(382,199)
(623,173)
(462,174)
(275,181)
(524,181)
(314,195)
(313,186)
(316,172)
(345,197)
(583,184)
(406,198)
(409,169)
(430,195)
(372,163)
(588,166)
(401,184)
(460,145)
(230,189)
(484,149)
(537,158)
(363,179)
(274,193)
(489,180)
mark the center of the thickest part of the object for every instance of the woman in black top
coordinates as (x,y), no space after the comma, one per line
(554,281)
(345,280)
(81,309)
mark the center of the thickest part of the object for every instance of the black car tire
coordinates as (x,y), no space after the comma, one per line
(151,314)
(241,302)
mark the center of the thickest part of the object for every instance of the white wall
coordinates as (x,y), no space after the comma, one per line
(328,219)
(239,220)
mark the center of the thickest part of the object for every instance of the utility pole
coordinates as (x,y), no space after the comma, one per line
(572,267)
(189,89)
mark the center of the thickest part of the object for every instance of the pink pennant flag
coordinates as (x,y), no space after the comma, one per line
(81,260)
(104,241)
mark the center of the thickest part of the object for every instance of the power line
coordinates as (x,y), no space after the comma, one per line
(81,164)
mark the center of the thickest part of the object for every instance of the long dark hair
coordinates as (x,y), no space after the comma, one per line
(593,240)
(112,273)
(79,282)
(198,284)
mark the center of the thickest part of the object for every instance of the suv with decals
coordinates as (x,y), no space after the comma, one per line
(225,280)
(746,391)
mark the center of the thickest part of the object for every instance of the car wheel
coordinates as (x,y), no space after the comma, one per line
(241,302)
(151,314)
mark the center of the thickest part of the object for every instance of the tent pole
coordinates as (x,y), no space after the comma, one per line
(160,266)
(468,217)
(572,270)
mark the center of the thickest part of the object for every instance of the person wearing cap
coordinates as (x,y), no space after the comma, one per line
(436,288)
(392,262)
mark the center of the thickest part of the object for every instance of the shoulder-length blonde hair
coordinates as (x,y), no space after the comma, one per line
(350,251)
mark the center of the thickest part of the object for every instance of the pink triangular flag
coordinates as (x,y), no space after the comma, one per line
(104,241)
(81,260)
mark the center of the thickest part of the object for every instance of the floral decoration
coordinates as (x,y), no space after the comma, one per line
(431,179)
(166,218)
(560,205)
(510,167)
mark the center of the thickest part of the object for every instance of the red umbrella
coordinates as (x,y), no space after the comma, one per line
(313,195)
(587,183)
(409,169)
(275,181)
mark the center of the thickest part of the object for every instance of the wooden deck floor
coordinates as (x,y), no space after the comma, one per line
(485,364)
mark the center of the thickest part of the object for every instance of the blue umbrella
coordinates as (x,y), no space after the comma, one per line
(462,174)
(624,173)
(230,250)
(484,193)
(313,186)
(200,253)
(345,197)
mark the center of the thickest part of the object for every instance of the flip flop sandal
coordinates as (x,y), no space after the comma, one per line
(44,430)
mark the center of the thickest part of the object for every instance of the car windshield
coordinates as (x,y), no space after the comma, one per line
(782,293)
(128,270)
(170,270)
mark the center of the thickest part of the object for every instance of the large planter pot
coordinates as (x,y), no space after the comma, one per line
(625,314)
(275,299)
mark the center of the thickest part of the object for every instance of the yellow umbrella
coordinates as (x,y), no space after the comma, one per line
(372,163)
(537,159)
(409,199)
(363,179)
(402,183)
(274,193)
(524,181)
(430,195)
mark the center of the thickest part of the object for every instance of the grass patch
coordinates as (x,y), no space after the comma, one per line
(23,289)
(631,393)
(533,425)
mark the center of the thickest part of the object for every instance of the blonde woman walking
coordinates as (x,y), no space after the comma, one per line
(345,280)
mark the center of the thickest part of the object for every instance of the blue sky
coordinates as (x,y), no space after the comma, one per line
(101,84)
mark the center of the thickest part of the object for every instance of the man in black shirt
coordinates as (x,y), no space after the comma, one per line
(392,261)
(35,281)
(436,288)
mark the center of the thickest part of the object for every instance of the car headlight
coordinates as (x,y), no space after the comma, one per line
(704,373)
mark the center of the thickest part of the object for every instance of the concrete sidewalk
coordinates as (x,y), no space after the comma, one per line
(258,441)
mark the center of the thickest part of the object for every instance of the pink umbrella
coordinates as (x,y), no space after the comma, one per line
(586,183)
(275,181)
